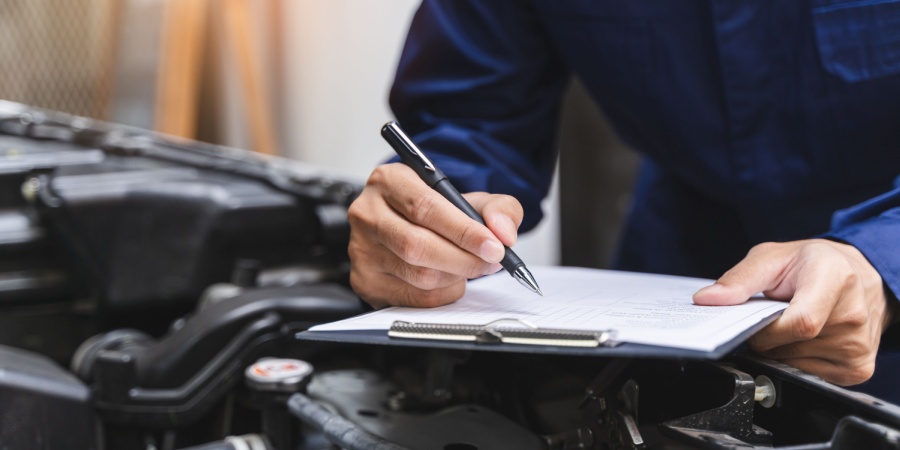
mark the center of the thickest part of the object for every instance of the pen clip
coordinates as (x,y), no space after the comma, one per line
(426,163)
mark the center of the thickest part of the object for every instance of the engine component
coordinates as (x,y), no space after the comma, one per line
(272,380)
(36,395)
(105,226)
(173,381)
(362,395)
(278,375)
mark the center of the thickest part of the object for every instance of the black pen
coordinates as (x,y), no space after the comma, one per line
(432,176)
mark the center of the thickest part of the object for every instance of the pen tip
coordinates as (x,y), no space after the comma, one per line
(523,275)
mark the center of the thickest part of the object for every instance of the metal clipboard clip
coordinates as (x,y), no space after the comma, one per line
(503,331)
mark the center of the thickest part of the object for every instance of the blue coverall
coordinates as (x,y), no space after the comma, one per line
(759,120)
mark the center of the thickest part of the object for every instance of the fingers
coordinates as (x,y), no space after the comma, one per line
(393,291)
(409,246)
(420,277)
(421,205)
(832,372)
(837,342)
(840,359)
(806,315)
(825,292)
(421,247)
(381,278)
(762,270)
(502,213)
(837,311)
(383,212)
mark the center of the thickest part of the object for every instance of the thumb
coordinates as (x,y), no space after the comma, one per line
(761,270)
(502,214)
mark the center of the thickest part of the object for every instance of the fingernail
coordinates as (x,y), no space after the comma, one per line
(491,251)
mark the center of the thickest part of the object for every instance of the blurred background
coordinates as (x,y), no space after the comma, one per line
(301,79)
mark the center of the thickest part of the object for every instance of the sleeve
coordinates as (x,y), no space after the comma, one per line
(873,227)
(478,89)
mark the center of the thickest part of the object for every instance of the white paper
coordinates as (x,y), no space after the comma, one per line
(638,308)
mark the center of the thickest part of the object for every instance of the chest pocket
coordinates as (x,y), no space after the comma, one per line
(858,40)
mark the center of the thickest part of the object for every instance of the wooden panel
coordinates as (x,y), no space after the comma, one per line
(181,61)
(238,20)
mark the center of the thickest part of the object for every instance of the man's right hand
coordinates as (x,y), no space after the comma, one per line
(409,246)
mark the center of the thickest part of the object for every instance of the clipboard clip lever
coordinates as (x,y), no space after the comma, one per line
(499,332)
(492,333)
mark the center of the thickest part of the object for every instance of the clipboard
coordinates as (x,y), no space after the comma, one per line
(606,347)
(584,312)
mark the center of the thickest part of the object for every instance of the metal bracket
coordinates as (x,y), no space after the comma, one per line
(728,426)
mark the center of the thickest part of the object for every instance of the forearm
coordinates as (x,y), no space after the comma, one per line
(478,89)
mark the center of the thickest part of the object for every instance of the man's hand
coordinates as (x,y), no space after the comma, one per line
(409,246)
(837,313)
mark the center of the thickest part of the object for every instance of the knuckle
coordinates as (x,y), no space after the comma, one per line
(430,298)
(363,257)
(857,374)
(354,209)
(378,176)
(850,280)
(855,348)
(865,372)
(805,327)
(856,316)
(421,207)
(362,287)
(819,245)
(468,236)
(822,250)
(509,203)
(476,268)
(421,298)
(395,266)
(765,247)
(356,213)
(355,250)
(413,249)
(424,278)
(360,217)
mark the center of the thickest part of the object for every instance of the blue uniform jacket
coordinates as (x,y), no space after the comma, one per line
(759,120)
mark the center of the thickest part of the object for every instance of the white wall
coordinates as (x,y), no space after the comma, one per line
(340,56)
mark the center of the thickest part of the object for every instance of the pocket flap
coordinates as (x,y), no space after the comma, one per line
(859,40)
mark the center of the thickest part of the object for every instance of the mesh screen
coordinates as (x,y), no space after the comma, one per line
(58,54)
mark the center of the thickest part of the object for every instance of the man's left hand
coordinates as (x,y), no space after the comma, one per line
(837,313)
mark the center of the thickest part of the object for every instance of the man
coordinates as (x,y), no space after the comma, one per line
(768,126)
